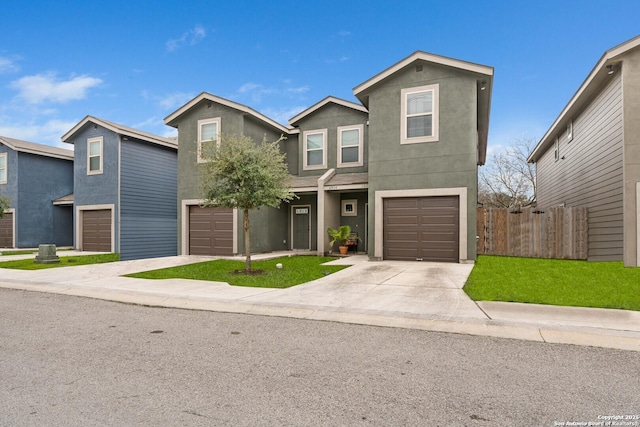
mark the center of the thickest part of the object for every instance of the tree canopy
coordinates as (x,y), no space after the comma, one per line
(507,180)
(240,173)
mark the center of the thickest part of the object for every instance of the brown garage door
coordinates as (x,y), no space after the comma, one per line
(96,230)
(210,231)
(6,231)
(421,228)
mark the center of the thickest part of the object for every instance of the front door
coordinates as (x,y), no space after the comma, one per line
(301,225)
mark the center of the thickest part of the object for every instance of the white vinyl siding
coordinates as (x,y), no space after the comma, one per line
(350,146)
(208,130)
(589,172)
(3,168)
(95,156)
(419,114)
(315,149)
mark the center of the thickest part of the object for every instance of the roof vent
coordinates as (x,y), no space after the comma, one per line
(418,68)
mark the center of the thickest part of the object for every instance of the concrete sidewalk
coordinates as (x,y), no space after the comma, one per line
(426,296)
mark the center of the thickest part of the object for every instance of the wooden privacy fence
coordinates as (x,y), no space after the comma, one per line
(535,233)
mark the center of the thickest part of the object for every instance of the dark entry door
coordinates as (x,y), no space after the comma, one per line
(301,227)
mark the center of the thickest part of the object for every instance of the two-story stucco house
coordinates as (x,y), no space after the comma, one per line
(124,193)
(34,177)
(400,167)
(590,156)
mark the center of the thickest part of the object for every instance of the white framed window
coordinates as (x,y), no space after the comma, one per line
(350,207)
(350,146)
(94,156)
(556,149)
(315,149)
(570,131)
(3,168)
(208,131)
(419,114)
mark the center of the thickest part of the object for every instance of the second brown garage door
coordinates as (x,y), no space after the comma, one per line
(96,230)
(210,231)
(421,228)
(6,231)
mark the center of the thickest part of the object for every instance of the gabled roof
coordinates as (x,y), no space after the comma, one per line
(121,130)
(39,149)
(204,96)
(594,82)
(423,56)
(484,88)
(327,100)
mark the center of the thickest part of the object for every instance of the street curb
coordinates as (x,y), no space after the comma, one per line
(583,336)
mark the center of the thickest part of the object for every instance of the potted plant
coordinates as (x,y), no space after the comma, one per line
(340,235)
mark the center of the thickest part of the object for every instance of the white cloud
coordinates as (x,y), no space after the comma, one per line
(282,115)
(8,65)
(175,100)
(298,90)
(344,33)
(44,87)
(192,37)
(48,133)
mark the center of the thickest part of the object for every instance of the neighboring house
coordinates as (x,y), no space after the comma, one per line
(124,190)
(400,168)
(33,177)
(590,156)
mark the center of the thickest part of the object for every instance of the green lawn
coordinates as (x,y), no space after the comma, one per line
(65,261)
(555,282)
(295,270)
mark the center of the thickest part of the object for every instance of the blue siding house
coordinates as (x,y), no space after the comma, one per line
(36,178)
(125,189)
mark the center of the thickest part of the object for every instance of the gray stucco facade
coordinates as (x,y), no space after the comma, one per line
(37,175)
(346,158)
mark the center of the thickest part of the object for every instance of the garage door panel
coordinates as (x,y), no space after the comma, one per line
(96,230)
(6,231)
(210,231)
(421,228)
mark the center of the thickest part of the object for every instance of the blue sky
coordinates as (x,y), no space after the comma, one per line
(135,62)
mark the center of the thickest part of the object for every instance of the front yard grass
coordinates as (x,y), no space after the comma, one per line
(295,270)
(555,282)
(65,261)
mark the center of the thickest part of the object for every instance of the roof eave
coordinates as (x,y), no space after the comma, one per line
(420,55)
(593,80)
(322,103)
(170,120)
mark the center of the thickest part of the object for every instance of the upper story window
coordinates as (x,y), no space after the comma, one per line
(315,149)
(350,146)
(208,131)
(94,156)
(419,115)
(556,149)
(570,132)
(3,168)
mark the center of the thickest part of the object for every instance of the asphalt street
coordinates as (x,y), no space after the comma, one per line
(74,361)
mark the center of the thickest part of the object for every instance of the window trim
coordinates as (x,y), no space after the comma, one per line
(435,114)
(202,122)
(99,171)
(6,168)
(556,149)
(307,133)
(360,162)
(570,131)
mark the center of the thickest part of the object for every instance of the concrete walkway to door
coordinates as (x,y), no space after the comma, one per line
(426,296)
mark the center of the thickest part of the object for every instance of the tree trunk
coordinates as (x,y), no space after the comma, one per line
(247,241)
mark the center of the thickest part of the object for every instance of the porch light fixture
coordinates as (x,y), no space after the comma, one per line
(483,85)
(611,70)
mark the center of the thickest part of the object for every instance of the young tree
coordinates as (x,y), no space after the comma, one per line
(507,180)
(239,173)
(4,204)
